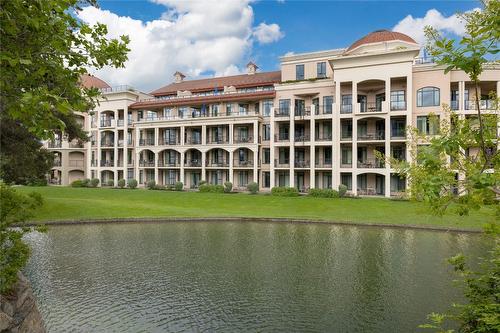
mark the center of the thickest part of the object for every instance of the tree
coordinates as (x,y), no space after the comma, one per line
(437,161)
(45,49)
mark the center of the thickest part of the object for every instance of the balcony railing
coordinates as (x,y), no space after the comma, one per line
(284,112)
(302,137)
(324,137)
(243,139)
(398,105)
(345,164)
(147,142)
(323,109)
(377,135)
(371,164)
(169,141)
(107,143)
(76,144)
(107,163)
(281,137)
(193,163)
(218,140)
(197,115)
(76,163)
(282,163)
(301,163)
(147,164)
(302,111)
(323,163)
(55,144)
(106,122)
(454,105)
(168,163)
(217,163)
(244,163)
(345,136)
(193,141)
(93,163)
(121,122)
(398,135)
(345,108)
(370,107)
(484,104)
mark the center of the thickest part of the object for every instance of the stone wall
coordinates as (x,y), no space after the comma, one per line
(18,310)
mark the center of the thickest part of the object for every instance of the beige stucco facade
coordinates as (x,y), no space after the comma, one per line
(305,131)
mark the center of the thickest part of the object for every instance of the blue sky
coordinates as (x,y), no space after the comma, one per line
(304,25)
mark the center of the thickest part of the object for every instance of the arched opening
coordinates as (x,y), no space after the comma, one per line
(371,95)
(107,176)
(76,160)
(75,175)
(147,159)
(372,184)
(169,158)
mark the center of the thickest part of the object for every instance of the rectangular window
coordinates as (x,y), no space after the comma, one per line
(346,106)
(321,69)
(214,110)
(346,179)
(427,125)
(243,109)
(267,155)
(299,72)
(398,128)
(267,179)
(284,107)
(267,132)
(347,156)
(300,107)
(428,96)
(327,104)
(267,106)
(243,178)
(229,109)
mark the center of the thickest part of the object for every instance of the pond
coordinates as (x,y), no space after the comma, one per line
(253,277)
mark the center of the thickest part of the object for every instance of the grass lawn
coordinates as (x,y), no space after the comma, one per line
(65,203)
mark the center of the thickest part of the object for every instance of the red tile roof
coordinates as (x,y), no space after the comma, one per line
(238,81)
(90,81)
(381,36)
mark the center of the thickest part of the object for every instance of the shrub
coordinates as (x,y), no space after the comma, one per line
(202,182)
(121,183)
(228,187)
(207,188)
(179,186)
(93,182)
(85,182)
(38,182)
(78,183)
(323,193)
(132,183)
(285,191)
(253,187)
(342,190)
(151,185)
(111,182)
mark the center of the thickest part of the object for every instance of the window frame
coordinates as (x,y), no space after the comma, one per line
(303,74)
(421,98)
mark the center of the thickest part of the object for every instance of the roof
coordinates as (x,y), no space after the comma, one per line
(381,36)
(238,81)
(90,81)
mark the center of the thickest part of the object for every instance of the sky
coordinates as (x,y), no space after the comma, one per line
(219,37)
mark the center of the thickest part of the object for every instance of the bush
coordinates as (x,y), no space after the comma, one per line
(202,182)
(253,187)
(179,186)
(284,191)
(207,188)
(342,190)
(38,182)
(85,182)
(323,193)
(132,183)
(93,182)
(228,187)
(151,185)
(111,182)
(121,183)
(78,183)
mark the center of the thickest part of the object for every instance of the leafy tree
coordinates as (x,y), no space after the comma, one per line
(436,163)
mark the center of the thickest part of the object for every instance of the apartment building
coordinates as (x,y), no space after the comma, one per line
(316,123)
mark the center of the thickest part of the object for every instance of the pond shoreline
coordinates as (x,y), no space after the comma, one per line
(253,219)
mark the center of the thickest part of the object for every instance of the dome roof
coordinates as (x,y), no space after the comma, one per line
(90,81)
(381,36)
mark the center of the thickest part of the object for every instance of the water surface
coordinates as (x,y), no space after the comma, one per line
(252,277)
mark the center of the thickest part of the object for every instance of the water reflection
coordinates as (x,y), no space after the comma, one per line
(229,277)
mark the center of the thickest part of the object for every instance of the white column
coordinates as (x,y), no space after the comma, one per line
(355,106)
(182,133)
(386,106)
(354,156)
(256,166)
(272,149)
(231,165)
(156,165)
(387,153)
(204,134)
(292,145)
(256,132)
(461,96)
(231,134)
(203,165)
(336,137)
(182,167)
(137,155)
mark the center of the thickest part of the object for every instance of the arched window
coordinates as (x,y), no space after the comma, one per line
(428,96)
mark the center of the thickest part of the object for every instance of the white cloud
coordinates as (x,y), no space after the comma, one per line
(193,37)
(414,26)
(267,33)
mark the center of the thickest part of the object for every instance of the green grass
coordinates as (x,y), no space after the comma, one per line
(65,203)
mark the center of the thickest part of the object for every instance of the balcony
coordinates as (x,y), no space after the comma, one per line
(303,111)
(194,163)
(398,135)
(217,163)
(370,107)
(197,115)
(454,105)
(55,144)
(121,122)
(282,163)
(107,163)
(301,163)
(218,140)
(57,163)
(327,163)
(147,142)
(484,104)
(76,144)
(285,112)
(243,164)
(302,138)
(324,137)
(398,105)
(377,135)
(323,109)
(193,140)
(108,143)
(243,139)
(106,122)
(345,108)
(172,141)
(282,137)
(371,164)
(147,164)
(168,163)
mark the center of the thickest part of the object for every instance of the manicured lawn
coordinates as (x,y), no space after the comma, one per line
(64,203)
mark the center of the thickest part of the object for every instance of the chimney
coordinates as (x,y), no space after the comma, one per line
(178,77)
(251,68)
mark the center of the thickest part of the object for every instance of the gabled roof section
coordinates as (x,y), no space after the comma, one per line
(238,81)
